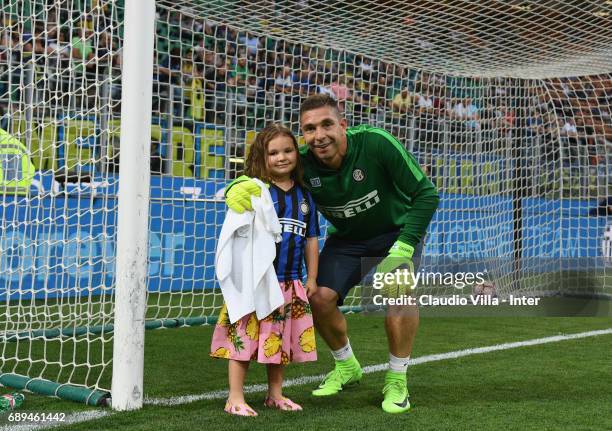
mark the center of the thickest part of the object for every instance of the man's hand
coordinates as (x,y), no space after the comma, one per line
(399,264)
(239,192)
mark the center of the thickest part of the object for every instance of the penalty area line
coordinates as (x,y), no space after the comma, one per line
(86,416)
(222,394)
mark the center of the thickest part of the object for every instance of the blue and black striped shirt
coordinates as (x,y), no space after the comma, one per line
(298,216)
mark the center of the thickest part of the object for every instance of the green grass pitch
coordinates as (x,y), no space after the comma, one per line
(557,386)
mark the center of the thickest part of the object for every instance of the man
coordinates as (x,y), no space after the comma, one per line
(402,103)
(379,203)
(16,168)
(402,108)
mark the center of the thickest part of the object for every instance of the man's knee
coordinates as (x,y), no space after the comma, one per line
(324,300)
(404,312)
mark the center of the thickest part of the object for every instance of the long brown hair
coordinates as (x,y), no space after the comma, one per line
(256,162)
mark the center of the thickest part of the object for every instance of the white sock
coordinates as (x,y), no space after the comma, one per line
(398,364)
(343,353)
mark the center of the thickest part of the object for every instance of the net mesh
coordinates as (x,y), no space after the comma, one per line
(506,105)
(524,39)
(59,69)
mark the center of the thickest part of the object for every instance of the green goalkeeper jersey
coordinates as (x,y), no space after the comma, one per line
(379,188)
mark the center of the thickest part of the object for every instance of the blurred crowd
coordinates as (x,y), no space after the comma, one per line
(57,56)
(214,74)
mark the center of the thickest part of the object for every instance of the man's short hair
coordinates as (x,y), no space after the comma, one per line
(319,101)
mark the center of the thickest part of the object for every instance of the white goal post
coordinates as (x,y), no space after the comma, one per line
(133,211)
(121,121)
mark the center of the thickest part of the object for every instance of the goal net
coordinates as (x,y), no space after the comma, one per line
(506,105)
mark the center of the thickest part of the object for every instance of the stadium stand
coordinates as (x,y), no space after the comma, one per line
(201,67)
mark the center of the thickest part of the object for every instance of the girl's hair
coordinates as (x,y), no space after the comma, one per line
(256,162)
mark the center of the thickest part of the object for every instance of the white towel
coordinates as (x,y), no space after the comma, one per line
(244,261)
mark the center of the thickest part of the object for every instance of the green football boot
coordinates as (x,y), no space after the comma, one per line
(345,373)
(395,393)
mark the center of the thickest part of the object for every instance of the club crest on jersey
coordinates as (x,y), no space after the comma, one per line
(358,175)
(304,207)
(315,182)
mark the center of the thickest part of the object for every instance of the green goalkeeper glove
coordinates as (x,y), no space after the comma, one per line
(399,263)
(238,194)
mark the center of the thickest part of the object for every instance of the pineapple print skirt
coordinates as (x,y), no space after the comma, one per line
(286,335)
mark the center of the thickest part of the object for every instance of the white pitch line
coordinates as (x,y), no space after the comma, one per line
(380,367)
(185,399)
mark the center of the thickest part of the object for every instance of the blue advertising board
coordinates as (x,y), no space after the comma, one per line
(66,244)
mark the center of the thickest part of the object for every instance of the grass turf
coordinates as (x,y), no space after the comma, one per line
(564,385)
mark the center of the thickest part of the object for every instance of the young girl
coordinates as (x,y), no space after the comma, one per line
(286,335)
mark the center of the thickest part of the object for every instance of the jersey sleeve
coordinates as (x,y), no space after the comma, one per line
(410,181)
(312,230)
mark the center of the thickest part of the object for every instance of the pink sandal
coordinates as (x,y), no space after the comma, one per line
(282,404)
(242,409)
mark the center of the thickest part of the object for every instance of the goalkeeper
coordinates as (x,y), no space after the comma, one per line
(379,203)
